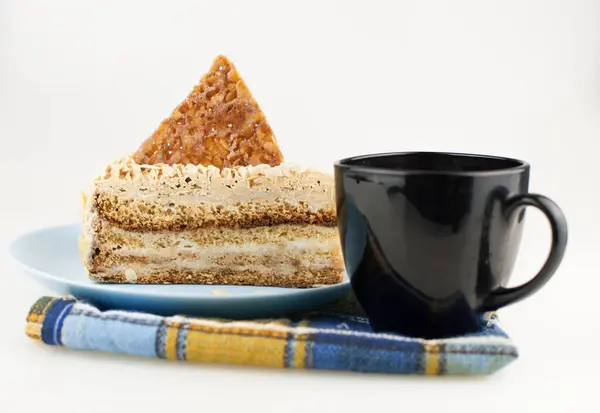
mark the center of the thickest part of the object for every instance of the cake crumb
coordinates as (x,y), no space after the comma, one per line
(130,275)
(219,292)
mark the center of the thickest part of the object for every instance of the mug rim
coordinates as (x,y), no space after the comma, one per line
(520,166)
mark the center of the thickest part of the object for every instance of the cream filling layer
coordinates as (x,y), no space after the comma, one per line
(186,247)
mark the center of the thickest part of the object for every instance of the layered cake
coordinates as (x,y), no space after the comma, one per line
(207,199)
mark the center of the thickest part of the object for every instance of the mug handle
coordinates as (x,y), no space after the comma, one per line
(504,296)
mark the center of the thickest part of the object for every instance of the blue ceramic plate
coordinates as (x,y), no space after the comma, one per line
(50,256)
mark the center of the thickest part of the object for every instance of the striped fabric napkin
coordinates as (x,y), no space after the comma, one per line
(337,338)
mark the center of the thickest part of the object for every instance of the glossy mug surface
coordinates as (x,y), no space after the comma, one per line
(430,239)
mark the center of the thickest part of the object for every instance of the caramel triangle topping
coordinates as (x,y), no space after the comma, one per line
(218,124)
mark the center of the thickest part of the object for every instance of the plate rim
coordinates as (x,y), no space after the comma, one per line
(281,292)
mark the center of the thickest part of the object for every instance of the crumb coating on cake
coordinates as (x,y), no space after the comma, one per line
(251,225)
(177,197)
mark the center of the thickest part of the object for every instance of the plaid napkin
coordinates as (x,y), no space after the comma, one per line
(336,338)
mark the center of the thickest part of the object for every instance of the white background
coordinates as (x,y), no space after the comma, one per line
(84,82)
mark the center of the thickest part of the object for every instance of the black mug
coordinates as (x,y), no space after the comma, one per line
(430,239)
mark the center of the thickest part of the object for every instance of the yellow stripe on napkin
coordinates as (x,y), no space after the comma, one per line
(250,345)
(432,359)
(300,347)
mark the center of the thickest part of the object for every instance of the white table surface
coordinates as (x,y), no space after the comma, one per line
(82,83)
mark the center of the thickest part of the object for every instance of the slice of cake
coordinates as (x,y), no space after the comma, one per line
(207,200)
